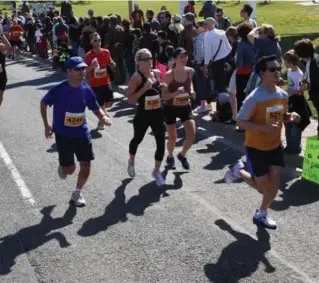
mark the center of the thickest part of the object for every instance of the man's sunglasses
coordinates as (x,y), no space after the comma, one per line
(274,69)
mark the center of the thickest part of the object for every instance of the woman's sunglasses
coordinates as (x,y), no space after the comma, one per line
(96,40)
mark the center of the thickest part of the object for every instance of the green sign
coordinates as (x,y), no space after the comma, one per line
(310,169)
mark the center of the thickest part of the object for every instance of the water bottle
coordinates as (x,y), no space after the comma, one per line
(98,66)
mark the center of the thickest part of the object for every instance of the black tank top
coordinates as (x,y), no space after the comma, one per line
(2,63)
(151,100)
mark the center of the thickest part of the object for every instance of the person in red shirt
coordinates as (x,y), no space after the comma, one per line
(98,60)
(137,17)
(15,33)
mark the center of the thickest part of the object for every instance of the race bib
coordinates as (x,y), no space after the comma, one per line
(74,119)
(274,114)
(181,99)
(100,74)
(152,102)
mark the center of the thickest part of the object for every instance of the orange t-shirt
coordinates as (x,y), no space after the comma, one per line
(15,33)
(99,77)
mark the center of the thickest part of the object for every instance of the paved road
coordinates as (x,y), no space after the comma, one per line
(195,229)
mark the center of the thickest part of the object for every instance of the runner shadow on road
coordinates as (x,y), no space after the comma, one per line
(300,192)
(118,209)
(226,155)
(241,258)
(30,238)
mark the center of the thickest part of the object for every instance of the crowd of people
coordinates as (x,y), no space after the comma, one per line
(175,65)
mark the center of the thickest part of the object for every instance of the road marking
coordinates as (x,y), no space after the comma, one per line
(26,193)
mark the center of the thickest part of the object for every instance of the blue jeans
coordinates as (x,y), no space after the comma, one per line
(293,136)
(203,86)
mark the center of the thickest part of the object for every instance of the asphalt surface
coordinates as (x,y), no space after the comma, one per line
(194,229)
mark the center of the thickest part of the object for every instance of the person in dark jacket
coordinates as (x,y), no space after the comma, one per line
(128,47)
(115,43)
(306,52)
(187,36)
(166,26)
(66,10)
(208,10)
(148,40)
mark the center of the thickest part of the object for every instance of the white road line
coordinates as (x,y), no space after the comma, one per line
(26,193)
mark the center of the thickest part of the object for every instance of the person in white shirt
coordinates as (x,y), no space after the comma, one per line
(297,103)
(216,50)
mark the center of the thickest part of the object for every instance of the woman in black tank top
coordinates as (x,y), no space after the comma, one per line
(4,47)
(144,88)
(176,95)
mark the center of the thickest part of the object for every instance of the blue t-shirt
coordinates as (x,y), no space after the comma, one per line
(69,106)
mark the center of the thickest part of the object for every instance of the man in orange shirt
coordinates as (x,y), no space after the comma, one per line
(98,59)
(262,115)
(15,32)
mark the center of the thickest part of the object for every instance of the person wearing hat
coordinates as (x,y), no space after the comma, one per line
(177,25)
(137,17)
(187,36)
(69,100)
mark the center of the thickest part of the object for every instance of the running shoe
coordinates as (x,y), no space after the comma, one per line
(61,173)
(77,198)
(100,126)
(131,170)
(184,161)
(170,162)
(158,178)
(233,174)
(261,218)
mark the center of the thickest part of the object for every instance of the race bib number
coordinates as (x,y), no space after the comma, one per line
(74,119)
(274,114)
(152,102)
(181,99)
(100,74)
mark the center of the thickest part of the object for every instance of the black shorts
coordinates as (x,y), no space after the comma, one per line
(172,113)
(16,43)
(259,161)
(68,147)
(3,81)
(104,94)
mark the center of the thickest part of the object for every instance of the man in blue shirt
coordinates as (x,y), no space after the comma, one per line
(69,100)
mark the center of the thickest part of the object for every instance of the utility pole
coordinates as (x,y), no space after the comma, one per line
(130,8)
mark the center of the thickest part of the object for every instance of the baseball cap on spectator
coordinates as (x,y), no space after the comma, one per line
(136,5)
(177,18)
(189,17)
(90,12)
(179,51)
(75,63)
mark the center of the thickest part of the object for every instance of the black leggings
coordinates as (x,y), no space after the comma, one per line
(141,124)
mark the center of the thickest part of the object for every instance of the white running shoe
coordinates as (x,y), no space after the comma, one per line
(77,198)
(262,218)
(158,178)
(61,173)
(201,109)
(131,170)
(233,174)
(100,126)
